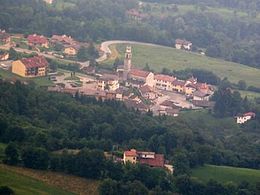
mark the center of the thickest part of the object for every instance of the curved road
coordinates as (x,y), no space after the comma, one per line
(106,50)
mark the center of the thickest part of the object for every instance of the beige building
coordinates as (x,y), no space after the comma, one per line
(130,156)
(143,76)
(164,82)
(108,82)
(30,67)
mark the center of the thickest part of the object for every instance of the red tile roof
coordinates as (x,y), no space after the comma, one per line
(63,38)
(36,61)
(179,82)
(131,152)
(139,73)
(164,77)
(157,161)
(37,39)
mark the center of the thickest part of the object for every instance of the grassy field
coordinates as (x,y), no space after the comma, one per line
(28,181)
(173,59)
(224,174)
(25,185)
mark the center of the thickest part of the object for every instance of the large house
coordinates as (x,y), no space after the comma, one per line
(38,40)
(164,82)
(143,76)
(241,119)
(4,37)
(108,82)
(183,44)
(148,158)
(30,67)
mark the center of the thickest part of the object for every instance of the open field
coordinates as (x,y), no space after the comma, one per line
(224,174)
(166,57)
(28,181)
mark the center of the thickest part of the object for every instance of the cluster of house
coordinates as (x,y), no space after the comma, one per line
(243,118)
(70,46)
(147,158)
(147,82)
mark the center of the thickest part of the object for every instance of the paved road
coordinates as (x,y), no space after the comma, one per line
(106,50)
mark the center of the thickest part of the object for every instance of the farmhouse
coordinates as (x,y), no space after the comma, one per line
(164,82)
(183,44)
(38,40)
(147,158)
(241,119)
(30,67)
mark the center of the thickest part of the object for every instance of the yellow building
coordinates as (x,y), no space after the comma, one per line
(30,67)
(178,85)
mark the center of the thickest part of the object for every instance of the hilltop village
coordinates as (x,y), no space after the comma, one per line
(138,89)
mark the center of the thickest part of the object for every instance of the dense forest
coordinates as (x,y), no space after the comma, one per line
(36,124)
(232,38)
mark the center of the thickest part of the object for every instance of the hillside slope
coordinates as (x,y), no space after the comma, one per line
(28,181)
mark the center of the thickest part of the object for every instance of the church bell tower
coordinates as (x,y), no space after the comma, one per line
(127,62)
